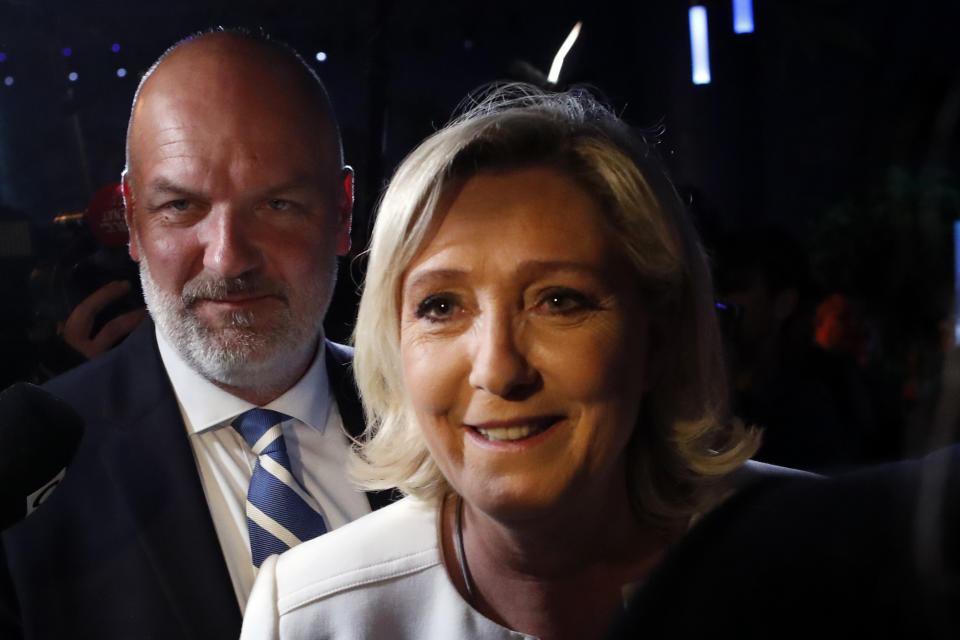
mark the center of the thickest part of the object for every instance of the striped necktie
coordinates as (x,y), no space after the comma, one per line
(280,513)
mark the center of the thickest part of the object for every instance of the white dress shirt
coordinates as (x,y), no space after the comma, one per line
(314,438)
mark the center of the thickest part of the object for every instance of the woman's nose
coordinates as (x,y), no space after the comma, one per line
(499,366)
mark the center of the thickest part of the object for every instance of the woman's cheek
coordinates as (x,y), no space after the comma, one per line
(430,376)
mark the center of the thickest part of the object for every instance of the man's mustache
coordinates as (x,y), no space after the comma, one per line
(220,288)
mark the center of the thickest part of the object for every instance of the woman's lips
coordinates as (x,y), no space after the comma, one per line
(514,430)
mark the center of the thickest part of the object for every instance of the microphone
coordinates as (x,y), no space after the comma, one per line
(39,435)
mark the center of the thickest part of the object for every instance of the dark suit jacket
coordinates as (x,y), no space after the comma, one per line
(870,554)
(125,547)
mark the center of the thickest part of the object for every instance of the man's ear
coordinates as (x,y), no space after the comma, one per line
(344,211)
(132,246)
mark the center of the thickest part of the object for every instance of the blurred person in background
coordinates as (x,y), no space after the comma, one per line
(813,417)
(85,289)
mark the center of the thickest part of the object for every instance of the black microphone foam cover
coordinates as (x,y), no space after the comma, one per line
(39,435)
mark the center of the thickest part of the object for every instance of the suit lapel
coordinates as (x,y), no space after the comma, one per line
(152,467)
(153,472)
(339,372)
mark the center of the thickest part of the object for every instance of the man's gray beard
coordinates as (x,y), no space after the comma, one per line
(241,354)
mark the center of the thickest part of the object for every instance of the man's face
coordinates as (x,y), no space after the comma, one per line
(238,211)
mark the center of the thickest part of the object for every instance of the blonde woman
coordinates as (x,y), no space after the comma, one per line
(539,358)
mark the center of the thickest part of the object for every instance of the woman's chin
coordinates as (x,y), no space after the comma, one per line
(517,502)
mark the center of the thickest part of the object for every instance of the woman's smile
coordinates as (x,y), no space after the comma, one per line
(515,430)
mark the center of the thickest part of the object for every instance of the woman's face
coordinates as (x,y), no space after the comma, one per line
(524,345)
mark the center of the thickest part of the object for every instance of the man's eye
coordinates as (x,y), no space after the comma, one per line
(178,205)
(278,204)
(437,308)
(565,301)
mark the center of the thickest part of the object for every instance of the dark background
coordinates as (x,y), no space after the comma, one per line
(836,120)
(819,102)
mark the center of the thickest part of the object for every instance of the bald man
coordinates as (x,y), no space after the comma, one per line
(238,203)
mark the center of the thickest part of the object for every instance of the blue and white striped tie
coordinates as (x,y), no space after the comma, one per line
(280,513)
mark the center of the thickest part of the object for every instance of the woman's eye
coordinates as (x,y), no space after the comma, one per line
(437,308)
(565,301)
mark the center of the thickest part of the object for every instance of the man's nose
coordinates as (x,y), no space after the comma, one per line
(500,365)
(230,247)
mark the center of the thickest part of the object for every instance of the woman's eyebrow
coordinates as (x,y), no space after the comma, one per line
(427,277)
(526,269)
(539,267)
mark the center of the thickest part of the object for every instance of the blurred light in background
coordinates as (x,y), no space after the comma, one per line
(121,72)
(562,52)
(66,51)
(3,56)
(72,76)
(321,56)
(8,81)
(743,16)
(956,283)
(115,47)
(699,45)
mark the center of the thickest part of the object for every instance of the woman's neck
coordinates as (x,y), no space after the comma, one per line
(553,576)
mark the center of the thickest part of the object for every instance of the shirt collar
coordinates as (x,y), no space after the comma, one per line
(205,405)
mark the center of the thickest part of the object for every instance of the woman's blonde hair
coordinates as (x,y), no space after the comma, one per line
(685,441)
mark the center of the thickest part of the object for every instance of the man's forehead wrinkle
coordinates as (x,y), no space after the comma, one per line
(177,156)
(174,134)
(169,143)
(157,114)
(241,103)
(231,104)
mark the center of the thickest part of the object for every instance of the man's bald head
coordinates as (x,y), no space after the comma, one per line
(238,203)
(222,67)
